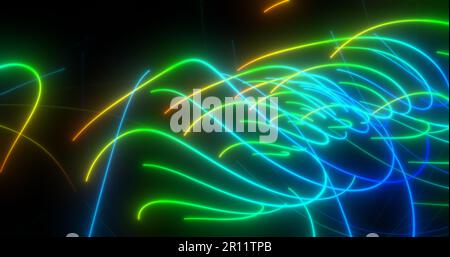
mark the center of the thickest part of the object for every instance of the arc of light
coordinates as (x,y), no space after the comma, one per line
(222,191)
(431,21)
(118,101)
(192,205)
(223,81)
(147,83)
(429,162)
(30,115)
(252,216)
(290,49)
(121,99)
(223,152)
(279,154)
(433,204)
(215,219)
(310,218)
(408,137)
(209,159)
(270,8)
(391,165)
(294,48)
(407,96)
(352,65)
(428,182)
(443,53)
(271,161)
(210,113)
(31,81)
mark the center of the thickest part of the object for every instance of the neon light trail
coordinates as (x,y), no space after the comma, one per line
(33,110)
(270,8)
(340,135)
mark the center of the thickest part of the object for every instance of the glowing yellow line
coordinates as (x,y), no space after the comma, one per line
(385,25)
(111,106)
(27,121)
(276,5)
(323,42)
(147,83)
(287,79)
(290,49)
(121,99)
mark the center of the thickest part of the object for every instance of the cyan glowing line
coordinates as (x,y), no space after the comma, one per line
(111,155)
(310,218)
(31,81)
(141,86)
(357,115)
(199,153)
(415,73)
(408,96)
(219,190)
(265,157)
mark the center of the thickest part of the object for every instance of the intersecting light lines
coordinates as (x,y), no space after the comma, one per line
(387,108)
(111,155)
(33,110)
(21,134)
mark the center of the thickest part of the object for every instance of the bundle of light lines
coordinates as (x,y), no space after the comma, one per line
(370,94)
(373,89)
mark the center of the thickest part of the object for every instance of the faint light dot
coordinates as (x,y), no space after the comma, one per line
(373,235)
(72,235)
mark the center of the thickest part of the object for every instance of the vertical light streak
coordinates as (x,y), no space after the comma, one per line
(111,155)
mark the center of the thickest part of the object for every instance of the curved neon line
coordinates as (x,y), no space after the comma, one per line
(270,8)
(430,21)
(30,115)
